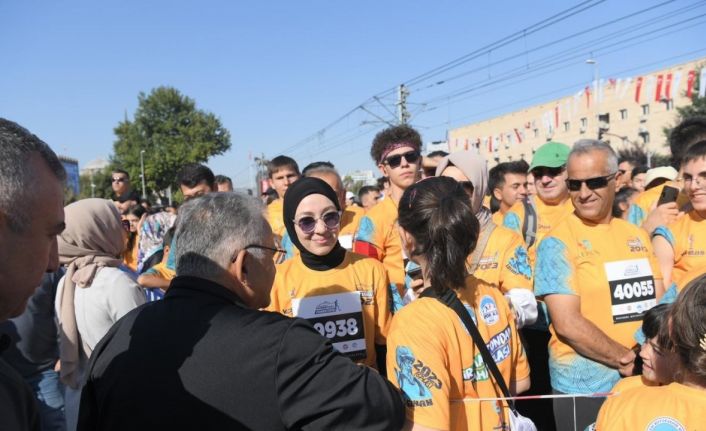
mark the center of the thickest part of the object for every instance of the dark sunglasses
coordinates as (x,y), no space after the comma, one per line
(591,183)
(550,172)
(308,223)
(119,180)
(126,225)
(395,161)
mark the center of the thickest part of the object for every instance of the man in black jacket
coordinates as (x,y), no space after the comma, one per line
(206,358)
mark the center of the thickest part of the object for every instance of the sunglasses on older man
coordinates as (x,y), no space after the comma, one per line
(396,160)
(591,183)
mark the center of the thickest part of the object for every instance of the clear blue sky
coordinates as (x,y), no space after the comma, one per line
(277,72)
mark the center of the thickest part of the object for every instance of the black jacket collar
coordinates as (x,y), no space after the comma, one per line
(187,285)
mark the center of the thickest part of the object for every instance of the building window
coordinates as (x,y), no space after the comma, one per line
(604,118)
(645,109)
(645,137)
(536,133)
(584,122)
(623,114)
(567,126)
(670,104)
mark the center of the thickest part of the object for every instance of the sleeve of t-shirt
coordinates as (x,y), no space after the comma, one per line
(516,271)
(654,263)
(416,365)
(320,389)
(553,269)
(368,239)
(382,306)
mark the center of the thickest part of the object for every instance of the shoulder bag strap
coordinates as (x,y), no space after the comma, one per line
(483,239)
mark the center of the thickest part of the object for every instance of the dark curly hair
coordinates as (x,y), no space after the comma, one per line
(438,214)
(683,135)
(393,135)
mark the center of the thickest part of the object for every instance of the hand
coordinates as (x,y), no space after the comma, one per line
(627,364)
(661,216)
(417,284)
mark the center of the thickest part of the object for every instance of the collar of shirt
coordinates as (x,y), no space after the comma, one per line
(187,286)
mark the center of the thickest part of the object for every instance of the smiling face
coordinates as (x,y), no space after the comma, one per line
(322,240)
(658,365)
(695,183)
(550,184)
(591,205)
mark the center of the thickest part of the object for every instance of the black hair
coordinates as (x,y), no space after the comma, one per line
(367,189)
(496,175)
(221,179)
(494,204)
(315,165)
(193,174)
(437,153)
(633,161)
(685,134)
(280,162)
(121,171)
(437,213)
(136,210)
(168,236)
(694,152)
(393,135)
(639,169)
(622,196)
(654,319)
(382,181)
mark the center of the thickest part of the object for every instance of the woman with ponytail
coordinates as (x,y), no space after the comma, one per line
(431,357)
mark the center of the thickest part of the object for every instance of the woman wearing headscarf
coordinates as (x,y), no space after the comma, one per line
(94,293)
(501,257)
(343,294)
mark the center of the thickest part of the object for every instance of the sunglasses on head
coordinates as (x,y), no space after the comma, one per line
(545,171)
(308,223)
(591,183)
(395,161)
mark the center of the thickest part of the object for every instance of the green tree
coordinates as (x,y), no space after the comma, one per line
(101,180)
(172,132)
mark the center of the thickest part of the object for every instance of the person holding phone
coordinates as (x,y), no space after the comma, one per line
(680,246)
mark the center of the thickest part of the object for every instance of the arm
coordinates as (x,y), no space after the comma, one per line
(153,280)
(520,386)
(317,388)
(665,258)
(660,216)
(583,336)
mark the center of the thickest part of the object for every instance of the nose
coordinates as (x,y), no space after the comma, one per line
(53,262)
(584,192)
(320,227)
(404,162)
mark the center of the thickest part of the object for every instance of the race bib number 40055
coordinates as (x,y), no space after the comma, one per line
(632,289)
(338,317)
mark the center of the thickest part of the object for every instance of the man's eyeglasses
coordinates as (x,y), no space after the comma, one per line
(278,254)
(119,179)
(395,161)
(307,224)
(591,183)
(545,171)
(699,180)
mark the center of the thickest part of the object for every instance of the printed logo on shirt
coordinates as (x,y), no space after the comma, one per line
(636,246)
(690,251)
(489,310)
(366,297)
(519,263)
(327,307)
(488,262)
(585,248)
(477,372)
(499,345)
(414,378)
(665,423)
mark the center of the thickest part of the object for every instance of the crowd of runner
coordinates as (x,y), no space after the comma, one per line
(567,293)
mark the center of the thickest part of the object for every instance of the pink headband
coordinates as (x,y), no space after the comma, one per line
(392,147)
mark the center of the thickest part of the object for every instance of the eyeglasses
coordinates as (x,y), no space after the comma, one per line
(395,161)
(700,181)
(308,223)
(126,225)
(591,183)
(545,171)
(278,253)
(119,179)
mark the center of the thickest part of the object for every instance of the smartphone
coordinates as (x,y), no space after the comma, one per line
(415,273)
(669,194)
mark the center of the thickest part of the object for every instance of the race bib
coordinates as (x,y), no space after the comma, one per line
(346,241)
(338,317)
(632,289)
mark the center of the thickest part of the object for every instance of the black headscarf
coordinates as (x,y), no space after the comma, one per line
(295,193)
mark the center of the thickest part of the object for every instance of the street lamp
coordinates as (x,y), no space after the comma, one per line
(594,62)
(142,173)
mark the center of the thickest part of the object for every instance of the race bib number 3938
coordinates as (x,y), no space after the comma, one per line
(632,289)
(338,317)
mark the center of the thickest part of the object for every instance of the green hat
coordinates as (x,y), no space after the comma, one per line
(550,155)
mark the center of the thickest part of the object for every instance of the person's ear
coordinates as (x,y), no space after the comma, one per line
(498,194)
(408,242)
(381,167)
(238,267)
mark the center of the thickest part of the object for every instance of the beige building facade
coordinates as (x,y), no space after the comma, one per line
(627,110)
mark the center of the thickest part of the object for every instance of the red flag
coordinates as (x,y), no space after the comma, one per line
(612,82)
(588,96)
(690,83)
(668,86)
(519,138)
(638,87)
(658,91)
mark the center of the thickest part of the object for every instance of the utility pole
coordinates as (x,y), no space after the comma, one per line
(596,98)
(142,173)
(402,113)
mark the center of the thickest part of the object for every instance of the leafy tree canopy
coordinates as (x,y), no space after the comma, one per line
(172,132)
